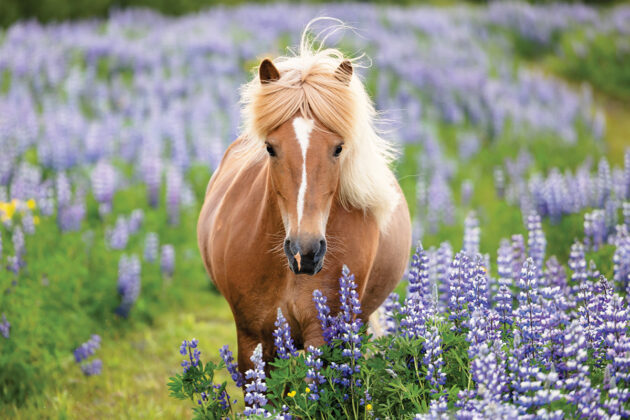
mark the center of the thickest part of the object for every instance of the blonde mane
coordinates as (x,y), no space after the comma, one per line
(307,84)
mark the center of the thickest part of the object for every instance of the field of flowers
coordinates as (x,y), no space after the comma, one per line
(518,183)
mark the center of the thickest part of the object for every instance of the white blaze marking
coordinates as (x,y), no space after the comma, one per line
(302,128)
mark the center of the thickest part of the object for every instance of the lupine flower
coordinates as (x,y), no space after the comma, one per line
(232,367)
(389,309)
(527,316)
(349,322)
(71,216)
(471,234)
(518,254)
(461,272)
(536,242)
(93,367)
(87,349)
(443,257)
(119,235)
(189,348)
(282,338)
(419,282)
(256,387)
(433,360)
(151,169)
(5,327)
(167,260)
(128,283)
(16,262)
(104,185)
(135,221)
(315,365)
(323,315)
(151,245)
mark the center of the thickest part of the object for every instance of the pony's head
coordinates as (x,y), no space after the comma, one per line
(310,117)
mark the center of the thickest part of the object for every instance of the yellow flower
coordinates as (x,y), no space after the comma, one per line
(8,209)
(31,204)
(291,394)
(308,390)
(369,407)
(36,220)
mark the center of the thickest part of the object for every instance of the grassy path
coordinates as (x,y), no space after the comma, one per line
(136,368)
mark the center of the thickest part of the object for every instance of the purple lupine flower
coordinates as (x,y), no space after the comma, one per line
(416,306)
(323,315)
(93,367)
(349,322)
(536,242)
(461,273)
(315,365)
(477,293)
(433,359)
(621,262)
(443,258)
(282,338)
(104,186)
(471,234)
(135,221)
(504,263)
(189,348)
(71,216)
(574,372)
(5,327)
(604,182)
(119,235)
(87,349)
(231,367)
(466,191)
(488,371)
(151,170)
(555,274)
(419,282)
(167,260)
(518,254)
(129,269)
(527,317)
(64,190)
(595,228)
(16,261)
(626,214)
(28,224)
(256,387)
(151,245)
(388,312)
(174,183)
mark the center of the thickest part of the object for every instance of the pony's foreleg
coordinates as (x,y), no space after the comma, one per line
(375,326)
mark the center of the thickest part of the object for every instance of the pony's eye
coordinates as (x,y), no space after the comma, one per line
(270,150)
(338,150)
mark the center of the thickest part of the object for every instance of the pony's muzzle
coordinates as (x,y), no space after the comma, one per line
(306,256)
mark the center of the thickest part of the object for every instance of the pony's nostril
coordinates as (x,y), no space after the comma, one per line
(322,249)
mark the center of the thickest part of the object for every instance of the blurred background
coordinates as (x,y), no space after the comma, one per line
(113,114)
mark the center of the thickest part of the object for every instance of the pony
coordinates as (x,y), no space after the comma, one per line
(305,188)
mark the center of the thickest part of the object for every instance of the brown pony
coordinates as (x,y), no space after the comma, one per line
(305,189)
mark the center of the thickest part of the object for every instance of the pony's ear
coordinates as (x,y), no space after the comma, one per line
(267,72)
(344,72)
